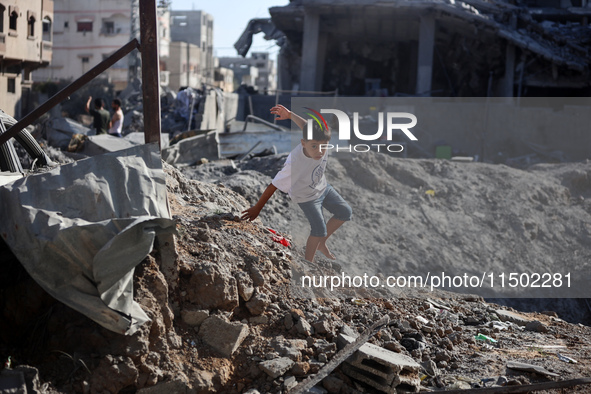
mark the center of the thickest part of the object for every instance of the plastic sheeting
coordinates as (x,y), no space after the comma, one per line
(80,230)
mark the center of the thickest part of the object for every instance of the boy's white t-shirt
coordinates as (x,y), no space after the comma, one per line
(302,177)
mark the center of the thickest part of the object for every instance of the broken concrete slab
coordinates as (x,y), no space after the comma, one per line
(139,138)
(104,143)
(381,368)
(190,150)
(530,368)
(60,131)
(508,316)
(194,317)
(537,326)
(223,336)
(277,367)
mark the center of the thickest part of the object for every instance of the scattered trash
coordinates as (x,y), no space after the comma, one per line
(358,301)
(500,325)
(482,337)
(566,359)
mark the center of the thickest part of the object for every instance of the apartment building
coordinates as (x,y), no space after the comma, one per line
(87,32)
(25,45)
(184,66)
(195,27)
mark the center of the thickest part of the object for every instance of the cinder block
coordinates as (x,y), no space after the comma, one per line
(381,368)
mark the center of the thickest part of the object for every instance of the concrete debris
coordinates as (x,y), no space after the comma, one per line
(536,326)
(277,367)
(230,321)
(530,368)
(212,108)
(194,317)
(104,143)
(188,151)
(513,317)
(222,335)
(258,304)
(382,369)
(59,132)
(140,138)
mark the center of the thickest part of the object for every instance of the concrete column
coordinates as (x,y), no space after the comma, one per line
(309,64)
(509,79)
(425,56)
(320,60)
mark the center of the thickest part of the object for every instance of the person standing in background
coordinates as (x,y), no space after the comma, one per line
(100,114)
(116,123)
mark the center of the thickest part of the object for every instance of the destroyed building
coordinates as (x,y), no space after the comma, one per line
(469,48)
(265,70)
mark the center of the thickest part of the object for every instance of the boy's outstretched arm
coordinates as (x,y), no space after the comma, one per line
(252,212)
(283,113)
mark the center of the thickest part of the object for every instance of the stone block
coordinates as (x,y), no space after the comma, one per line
(276,367)
(223,336)
(381,368)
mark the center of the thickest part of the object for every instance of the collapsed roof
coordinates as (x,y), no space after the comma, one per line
(475,48)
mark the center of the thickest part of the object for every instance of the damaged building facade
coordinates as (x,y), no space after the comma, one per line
(86,33)
(265,78)
(469,48)
(25,45)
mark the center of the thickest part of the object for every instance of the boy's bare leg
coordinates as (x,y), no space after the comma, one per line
(331,226)
(312,246)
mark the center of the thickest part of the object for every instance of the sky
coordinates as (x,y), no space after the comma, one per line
(230,18)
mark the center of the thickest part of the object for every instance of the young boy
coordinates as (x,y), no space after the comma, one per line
(302,177)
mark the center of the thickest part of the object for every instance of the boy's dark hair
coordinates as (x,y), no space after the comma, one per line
(99,102)
(117,102)
(318,133)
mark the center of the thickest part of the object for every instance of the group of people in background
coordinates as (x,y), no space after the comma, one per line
(103,122)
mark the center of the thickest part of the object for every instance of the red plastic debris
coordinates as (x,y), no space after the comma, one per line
(279,239)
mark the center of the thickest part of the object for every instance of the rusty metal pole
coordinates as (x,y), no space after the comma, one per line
(150,70)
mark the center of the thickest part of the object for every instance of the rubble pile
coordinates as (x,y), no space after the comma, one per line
(228,318)
(412,215)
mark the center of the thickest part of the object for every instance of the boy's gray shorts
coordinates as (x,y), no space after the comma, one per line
(333,202)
